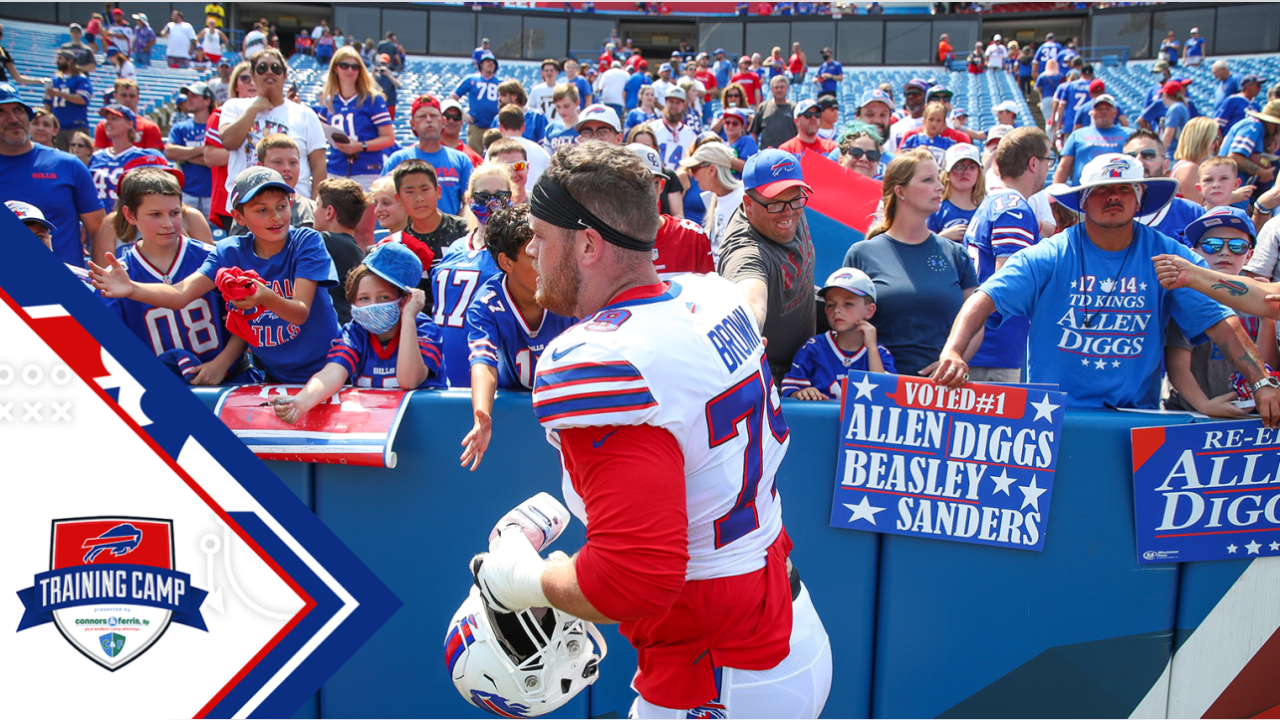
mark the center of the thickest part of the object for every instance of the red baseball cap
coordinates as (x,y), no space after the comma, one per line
(423,101)
(1097,86)
(1174,86)
(117,12)
(157,162)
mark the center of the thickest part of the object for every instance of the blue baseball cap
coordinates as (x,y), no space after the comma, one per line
(665,66)
(184,363)
(486,55)
(916,83)
(1222,216)
(119,111)
(719,51)
(876,95)
(958,112)
(396,264)
(740,113)
(255,179)
(771,171)
(1252,79)
(9,96)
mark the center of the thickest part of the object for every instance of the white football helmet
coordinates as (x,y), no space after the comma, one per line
(520,664)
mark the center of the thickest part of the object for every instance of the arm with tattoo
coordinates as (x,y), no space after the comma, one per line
(1236,292)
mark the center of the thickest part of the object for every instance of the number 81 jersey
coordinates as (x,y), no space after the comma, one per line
(687,359)
(197,327)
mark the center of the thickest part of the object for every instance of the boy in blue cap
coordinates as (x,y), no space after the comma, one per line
(389,343)
(1199,377)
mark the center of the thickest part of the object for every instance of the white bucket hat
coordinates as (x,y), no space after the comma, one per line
(1116,169)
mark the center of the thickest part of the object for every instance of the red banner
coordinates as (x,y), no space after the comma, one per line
(357,426)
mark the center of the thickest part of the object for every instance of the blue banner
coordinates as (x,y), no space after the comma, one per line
(974,464)
(1208,491)
(114,584)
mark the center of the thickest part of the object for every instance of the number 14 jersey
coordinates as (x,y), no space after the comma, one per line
(686,358)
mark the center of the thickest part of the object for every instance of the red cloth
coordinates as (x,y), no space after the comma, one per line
(682,246)
(796,147)
(707,78)
(606,61)
(149,135)
(633,565)
(944,49)
(795,64)
(236,284)
(419,248)
(217,198)
(475,157)
(751,82)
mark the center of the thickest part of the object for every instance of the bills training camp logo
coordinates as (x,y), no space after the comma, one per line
(112,589)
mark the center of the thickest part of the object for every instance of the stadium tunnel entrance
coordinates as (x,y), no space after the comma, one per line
(657,40)
(1033,30)
(289,19)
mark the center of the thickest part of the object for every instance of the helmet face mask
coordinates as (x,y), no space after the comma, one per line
(526,663)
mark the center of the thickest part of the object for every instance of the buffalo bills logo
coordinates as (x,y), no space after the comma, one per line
(780,167)
(498,705)
(710,710)
(120,540)
(1116,168)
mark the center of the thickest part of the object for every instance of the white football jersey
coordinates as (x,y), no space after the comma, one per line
(673,143)
(690,361)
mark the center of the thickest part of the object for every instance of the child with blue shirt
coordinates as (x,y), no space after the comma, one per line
(818,367)
(389,342)
(507,328)
(291,333)
(930,136)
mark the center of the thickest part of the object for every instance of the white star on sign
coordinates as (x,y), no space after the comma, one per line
(1232,548)
(1253,547)
(1100,364)
(864,389)
(1044,409)
(864,511)
(1003,481)
(1274,546)
(1031,494)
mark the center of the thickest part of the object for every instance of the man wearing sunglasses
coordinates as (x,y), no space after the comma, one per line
(808,117)
(1094,302)
(511,123)
(767,251)
(1172,219)
(451,133)
(246,121)
(913,113)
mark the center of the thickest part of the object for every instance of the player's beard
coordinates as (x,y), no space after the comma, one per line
(558,291)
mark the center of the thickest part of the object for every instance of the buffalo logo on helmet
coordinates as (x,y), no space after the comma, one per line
(498,705)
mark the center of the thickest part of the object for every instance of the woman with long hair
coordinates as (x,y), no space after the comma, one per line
(81,146)
(963,189)
(1199,142)
(921,279)
(353,102)
(644,111)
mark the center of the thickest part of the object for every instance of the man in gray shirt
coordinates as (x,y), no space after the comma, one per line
(768,253)
(773,123)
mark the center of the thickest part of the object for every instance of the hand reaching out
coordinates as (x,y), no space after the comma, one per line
(113,280)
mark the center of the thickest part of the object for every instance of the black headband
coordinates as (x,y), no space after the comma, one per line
(549,202)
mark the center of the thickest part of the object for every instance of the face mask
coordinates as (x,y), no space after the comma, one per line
(481,211)
(378,317)
(825,57)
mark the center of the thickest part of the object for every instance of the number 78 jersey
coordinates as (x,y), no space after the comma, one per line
(687,359)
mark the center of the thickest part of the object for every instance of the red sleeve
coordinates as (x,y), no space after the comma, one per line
(631,480)
(100,140)
(151,137)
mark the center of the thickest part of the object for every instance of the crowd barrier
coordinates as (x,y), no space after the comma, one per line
(919,628)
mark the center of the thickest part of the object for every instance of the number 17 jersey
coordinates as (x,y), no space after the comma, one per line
(456,281)
(686,358)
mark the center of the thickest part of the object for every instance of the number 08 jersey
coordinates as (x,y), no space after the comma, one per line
(690,361)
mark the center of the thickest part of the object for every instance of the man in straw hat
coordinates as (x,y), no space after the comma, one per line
(1096,309)
(1248,139)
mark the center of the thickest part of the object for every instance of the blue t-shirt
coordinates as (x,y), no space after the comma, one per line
(1065,56)
(198,178)
(559,136)
(1084,119)
(949,215)
(289,353)
(1225,89)
(743,148)
(584,89)
(535,125)
(634,83)
(723,70)
(499,337)
(637,117)
(1002,225)
(61,186)
(1048,84)
(821,363)
(453,173)
(1173,219)
(106,167)
(1232,110)
(482,97)
(1176,117)
(69,114)
(360,122)
(1117,359)
(1046,52)
(830,67)
(1155,110)
(1075,96)
(370,364)
(457,280)
(1244,138)
(1195,47)
(935,145)
(196,328)
(1089,142)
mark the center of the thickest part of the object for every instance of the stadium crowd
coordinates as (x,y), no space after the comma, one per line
(971,264)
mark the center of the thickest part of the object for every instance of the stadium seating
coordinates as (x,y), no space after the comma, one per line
(1130,83)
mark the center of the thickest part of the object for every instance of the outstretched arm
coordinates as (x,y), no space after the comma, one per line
(1234,291)
(952,369)
(113,280)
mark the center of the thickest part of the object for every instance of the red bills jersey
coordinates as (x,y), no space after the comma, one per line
(682,247)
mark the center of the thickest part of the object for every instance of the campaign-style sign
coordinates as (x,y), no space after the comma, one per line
(123,490)
(357,426)
(974,464)
(1206,491)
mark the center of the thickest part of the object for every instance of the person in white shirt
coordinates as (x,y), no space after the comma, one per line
(182,41)
(247,121)
(663,83)
(613,87)
(254,42)
(511,125)
(213,40)
(540,97)
(673,135)
(996,54)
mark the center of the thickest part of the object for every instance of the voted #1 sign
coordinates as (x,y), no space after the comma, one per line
(1206,491)
(973,464)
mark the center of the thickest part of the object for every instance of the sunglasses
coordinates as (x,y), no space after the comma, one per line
(858,153)
(488,197)
(518,166)
(347,66)
(246,78)
(79,145)
(811,114)
(1147,154)
(774,208)
(733,121)
(1213,245)
(453,117)
(264,68)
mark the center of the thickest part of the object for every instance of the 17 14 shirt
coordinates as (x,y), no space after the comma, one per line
(69,114)
(457,280)
(1098,317)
